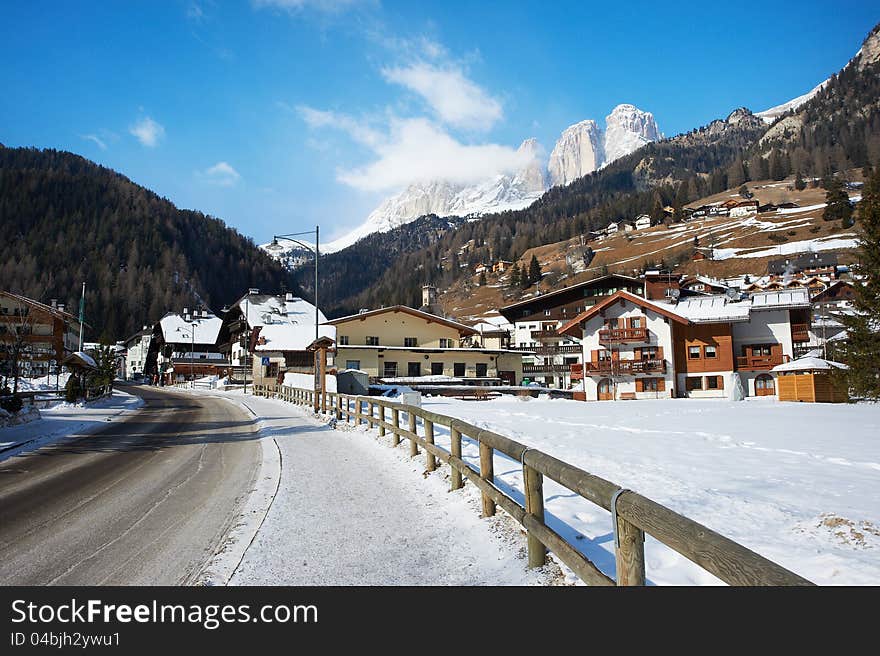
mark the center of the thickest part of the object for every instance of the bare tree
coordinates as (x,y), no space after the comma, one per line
(15,342)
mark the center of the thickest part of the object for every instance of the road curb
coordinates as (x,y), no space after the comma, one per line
(223,565)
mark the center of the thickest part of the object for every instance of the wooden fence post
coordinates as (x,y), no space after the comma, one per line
(487,473)
(413,445)
(629,552)
(395,419)
(338,408)
(381,420)
(534,484)
(430,460)
(455,437)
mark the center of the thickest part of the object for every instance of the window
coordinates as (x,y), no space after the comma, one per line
(352,364)
(604,355)
(272,370)
(714,382)
(546,313)
(649,384)
(390,370)
(343,340)
(761,350)
(693,383)
(410,341)
(709,352)
(446,343)
(649,353)
(636,322)
(372,340)
(693,352)
(436,368)
(413,369)
(458,369)
(482,370)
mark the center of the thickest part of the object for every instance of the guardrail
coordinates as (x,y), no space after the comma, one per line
(633,515)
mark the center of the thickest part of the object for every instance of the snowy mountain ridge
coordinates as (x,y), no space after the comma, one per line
(581,149)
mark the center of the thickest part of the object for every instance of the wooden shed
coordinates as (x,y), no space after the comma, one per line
(808,380)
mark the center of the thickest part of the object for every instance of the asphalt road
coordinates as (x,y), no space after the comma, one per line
(147,501)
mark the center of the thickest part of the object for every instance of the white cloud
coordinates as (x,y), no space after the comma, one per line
(327,6)
(148,132)
(194,11)
(221,174)
(417,149)
(454,98)
(357,130)
(96,139)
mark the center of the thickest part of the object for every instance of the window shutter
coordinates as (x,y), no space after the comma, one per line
(640,386)
(659,352)
(594,355)
(661,384)
(720,382)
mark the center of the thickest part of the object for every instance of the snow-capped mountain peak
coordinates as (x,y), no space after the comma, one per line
(628,128)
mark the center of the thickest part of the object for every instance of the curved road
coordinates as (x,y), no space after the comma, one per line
(147,501)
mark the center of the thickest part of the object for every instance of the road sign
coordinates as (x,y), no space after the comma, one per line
(264,361)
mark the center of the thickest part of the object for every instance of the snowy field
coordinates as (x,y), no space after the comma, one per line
(798,483)
(64,420)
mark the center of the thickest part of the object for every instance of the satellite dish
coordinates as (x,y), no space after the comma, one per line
(732,294)
(675,292)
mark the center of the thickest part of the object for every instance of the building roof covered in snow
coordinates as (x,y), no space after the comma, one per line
(176,329)
(809,364)
(286,322)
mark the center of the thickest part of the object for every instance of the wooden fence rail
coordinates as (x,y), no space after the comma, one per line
(633,515)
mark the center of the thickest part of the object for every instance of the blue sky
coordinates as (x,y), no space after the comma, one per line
(276,115)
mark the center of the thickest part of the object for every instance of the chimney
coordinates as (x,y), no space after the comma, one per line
(253,290)
(185,311)
(61,307)
(54,303)
(288,297)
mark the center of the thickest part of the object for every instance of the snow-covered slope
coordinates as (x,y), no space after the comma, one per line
(770,115)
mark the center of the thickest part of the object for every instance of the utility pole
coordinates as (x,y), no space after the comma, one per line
(82,315)
(192,354)
(247,344)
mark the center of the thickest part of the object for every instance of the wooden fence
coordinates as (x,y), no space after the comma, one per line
(633,515)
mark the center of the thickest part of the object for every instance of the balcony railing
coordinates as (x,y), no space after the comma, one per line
(545,368)
(800,332)
(625,367)
(549,350)
(546,334)
(760,362)
(623,335)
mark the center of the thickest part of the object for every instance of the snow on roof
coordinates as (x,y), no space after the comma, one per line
(809,364)
(789,298)
(486,327)
(176,330)
(286,325)
(700,309)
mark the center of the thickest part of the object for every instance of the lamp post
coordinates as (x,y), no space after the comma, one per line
(314,251)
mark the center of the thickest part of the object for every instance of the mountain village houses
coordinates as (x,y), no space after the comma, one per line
(36,336)
(614,337)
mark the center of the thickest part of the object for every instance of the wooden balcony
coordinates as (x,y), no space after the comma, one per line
(800,332)
(546,368)
(760,362)
(546,334)
(617,335)
(625,367)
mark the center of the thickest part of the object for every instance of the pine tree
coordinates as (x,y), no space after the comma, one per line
(837,207)
(534,271)
(515,277)
(777,170)
(861,350)
(799,183)
(482,281)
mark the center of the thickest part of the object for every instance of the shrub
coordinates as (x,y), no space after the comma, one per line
(11,404)
(72,391)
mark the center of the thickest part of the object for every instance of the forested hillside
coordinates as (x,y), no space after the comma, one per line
(66,220)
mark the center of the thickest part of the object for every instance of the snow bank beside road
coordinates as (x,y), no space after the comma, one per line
(65,420)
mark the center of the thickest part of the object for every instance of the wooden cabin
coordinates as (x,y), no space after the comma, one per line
(809,380)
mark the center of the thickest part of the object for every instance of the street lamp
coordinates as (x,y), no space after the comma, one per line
(314,251)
